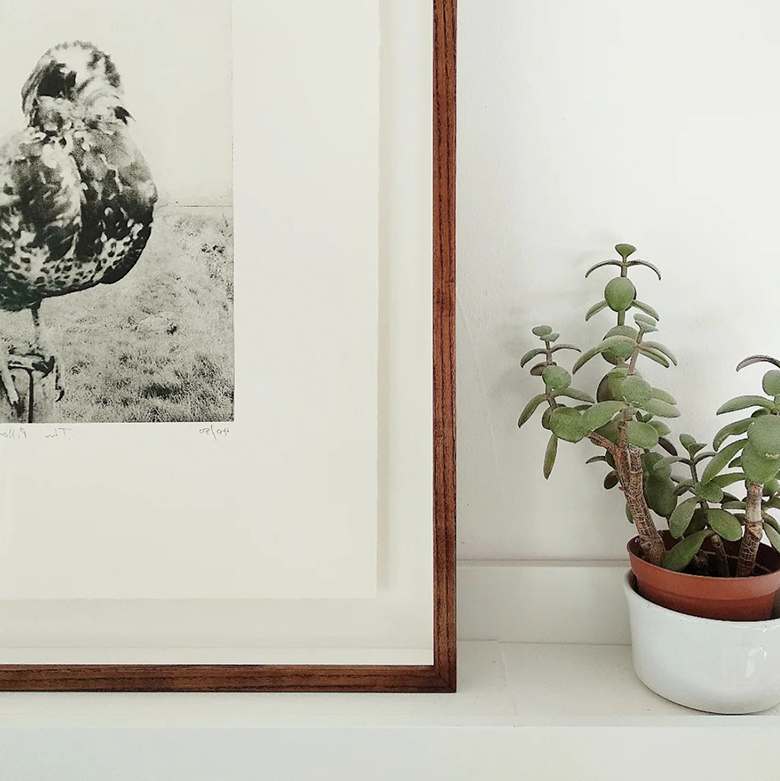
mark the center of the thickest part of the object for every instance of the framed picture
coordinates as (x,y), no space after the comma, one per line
(227,280)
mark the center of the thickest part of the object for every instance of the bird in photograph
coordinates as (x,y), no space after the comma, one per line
(76,195)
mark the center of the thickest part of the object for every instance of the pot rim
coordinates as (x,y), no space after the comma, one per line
(749,578)
(629,587)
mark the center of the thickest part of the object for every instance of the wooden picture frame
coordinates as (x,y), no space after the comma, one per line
(440,676)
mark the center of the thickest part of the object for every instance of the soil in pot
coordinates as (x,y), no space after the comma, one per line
(727,599)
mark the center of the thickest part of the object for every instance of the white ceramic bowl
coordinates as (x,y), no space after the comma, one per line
(708,665)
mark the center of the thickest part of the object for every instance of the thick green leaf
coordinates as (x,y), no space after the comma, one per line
(610,431)
(623,330)
(542,330)
(595,309)
(701,456)
(756,467)
(647,309)
(537,370)
(642,435)
(758,359)
(683,486)
(635,390)
(602,265)
(764,435)
(744,402)
(654,355)
(725,524)
(771,383)
(611,480)
(724,481)
(681,555)
(530,355)
(530,408)
(619,294)
(660,496)
(658,466)
(772,535)
(600,414)
(687,441)
(610,343)
(625,250)
(658,393)
(552,337)
(597,460)
(732,430)
(709,492)
(660,408)
(699,522)
(667,446)
(567,424)
(721,460)
(661,427)
(577,395)
(682,516)
(658,347)
(646,322)
(565,347)
(549,456)
(556,378)
(646,264)
(735,505)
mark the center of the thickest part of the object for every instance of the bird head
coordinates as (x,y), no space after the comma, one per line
(73,84)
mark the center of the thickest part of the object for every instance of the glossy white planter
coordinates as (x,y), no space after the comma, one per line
(708,665)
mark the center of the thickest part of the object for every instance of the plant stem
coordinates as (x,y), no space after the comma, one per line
(720,556)
(754,531)
(628,465)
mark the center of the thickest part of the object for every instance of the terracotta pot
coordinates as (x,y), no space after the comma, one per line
(727,599)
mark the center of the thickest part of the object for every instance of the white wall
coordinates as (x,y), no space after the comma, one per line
(583,124)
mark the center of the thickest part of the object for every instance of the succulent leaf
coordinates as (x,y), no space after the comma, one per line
(577,395)
(772,535)
(682,516)
(646,264)
(600,414)
(771,382)
(731,430)
(660,408)
(724,524)
(744,402)
(595,309)
(681,555)
(567,424)
(757,468)
(764,435)
(601,265)
(647,309)
(619,294)
(642,435)
(550,455)
(721,460)
(625,250)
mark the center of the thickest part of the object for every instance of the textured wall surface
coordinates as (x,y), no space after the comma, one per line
(581,125)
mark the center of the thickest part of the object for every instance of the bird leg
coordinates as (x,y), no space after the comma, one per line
(41,346)
(7,380)
(44,349)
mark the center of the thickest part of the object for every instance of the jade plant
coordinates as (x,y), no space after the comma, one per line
(626,419)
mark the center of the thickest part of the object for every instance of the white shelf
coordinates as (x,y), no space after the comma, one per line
(501,685)
(544,711)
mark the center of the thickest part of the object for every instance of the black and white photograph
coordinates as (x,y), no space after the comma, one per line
(116,225)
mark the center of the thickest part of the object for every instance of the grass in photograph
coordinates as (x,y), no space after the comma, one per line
(156,346)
